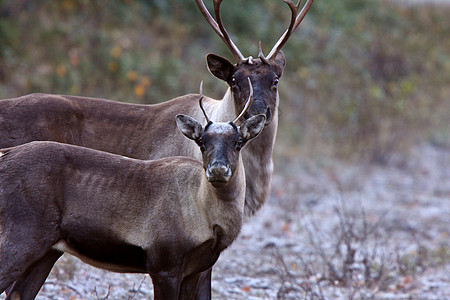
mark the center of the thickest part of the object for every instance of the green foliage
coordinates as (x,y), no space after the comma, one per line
(364,77)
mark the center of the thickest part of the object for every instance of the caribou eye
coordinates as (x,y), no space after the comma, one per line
(201,144)
(233,82)
(275,81)
(239,144)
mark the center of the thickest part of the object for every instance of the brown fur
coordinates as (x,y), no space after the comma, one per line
(148,131)
(159,217)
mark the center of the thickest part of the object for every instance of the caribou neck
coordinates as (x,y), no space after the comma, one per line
(225,206)
(258,165)
(224,111)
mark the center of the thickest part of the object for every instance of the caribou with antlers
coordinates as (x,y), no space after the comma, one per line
(145,132)
(169,217)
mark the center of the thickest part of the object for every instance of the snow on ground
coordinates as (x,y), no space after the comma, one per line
(397,216)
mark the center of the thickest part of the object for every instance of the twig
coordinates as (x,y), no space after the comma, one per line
(58,283)
(138,289)
(107,294)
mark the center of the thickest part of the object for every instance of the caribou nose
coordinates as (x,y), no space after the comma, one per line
(218,173)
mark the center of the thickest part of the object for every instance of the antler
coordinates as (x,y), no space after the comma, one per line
(201,88)
(249,102)
(296,19)
(218,26)
(200,102)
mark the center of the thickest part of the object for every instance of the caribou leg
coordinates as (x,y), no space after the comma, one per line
(203,290)
(15,260)
(24,240)
(32,280)
(166,286)
(188,287)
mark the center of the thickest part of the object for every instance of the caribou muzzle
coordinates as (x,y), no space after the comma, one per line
(218,174)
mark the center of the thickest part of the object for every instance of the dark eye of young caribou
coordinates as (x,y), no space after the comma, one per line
(239,144)
(201,144)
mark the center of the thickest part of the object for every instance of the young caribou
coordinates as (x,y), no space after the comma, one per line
(169,217)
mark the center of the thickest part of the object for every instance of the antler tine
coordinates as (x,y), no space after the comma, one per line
(249,102)
(200,102)
(261,55)
(295,22)
(208,17)
(219,28)
(201,88)
(237,54)
(303,13)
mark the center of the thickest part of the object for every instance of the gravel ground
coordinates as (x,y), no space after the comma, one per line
(396,217)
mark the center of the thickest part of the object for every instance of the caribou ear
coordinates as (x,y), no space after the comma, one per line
(189,127)
(278,62)
(251,127)
(220,67)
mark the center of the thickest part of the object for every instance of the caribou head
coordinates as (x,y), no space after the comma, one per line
(264,71)
(221,142)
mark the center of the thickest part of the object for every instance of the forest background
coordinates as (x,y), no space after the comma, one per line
(364,79)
